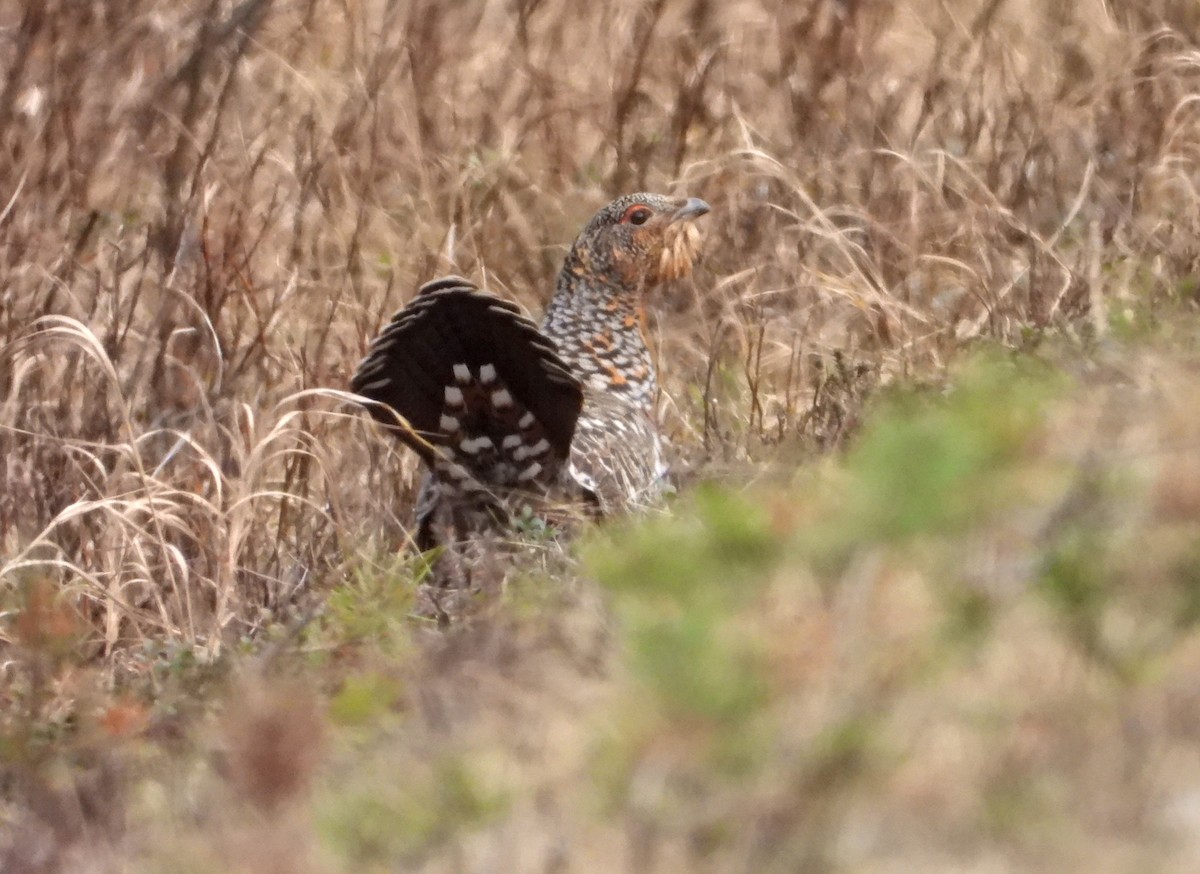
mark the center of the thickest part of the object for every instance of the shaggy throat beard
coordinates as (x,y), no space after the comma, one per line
(681,242)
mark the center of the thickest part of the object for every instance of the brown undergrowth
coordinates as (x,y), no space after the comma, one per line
(210,638)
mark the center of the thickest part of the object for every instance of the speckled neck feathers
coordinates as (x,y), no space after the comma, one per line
(599,329)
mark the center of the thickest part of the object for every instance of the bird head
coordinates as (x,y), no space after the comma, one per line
(639,241)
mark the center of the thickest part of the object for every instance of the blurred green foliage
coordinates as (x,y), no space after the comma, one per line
(688,586)
(385,816)
(932,465)
(363,698)
(373,606)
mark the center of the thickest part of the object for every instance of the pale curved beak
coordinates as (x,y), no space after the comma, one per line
(693,208)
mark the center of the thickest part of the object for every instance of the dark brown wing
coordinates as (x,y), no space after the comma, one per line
(477,384)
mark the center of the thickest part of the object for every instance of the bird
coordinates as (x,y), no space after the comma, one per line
(505,414)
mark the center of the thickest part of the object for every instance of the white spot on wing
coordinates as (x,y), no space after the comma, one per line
(454,396)
(487,374)
(529,473)
(501,399)
(448,423)
(472,446)
(539,448)
(462,373)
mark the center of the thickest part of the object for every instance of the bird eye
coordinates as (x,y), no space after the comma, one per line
(636,215)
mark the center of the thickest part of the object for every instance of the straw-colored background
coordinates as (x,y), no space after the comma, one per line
(211,656)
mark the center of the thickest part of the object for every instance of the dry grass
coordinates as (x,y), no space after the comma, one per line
(207,209)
